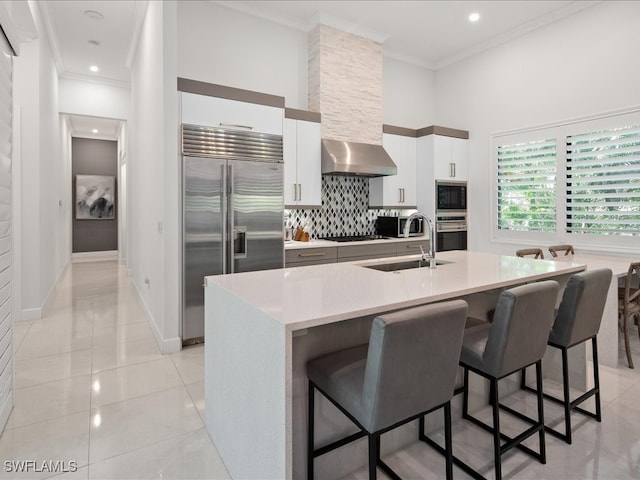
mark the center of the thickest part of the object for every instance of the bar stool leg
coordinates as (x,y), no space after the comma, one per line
(310,432)
(543,450)
(448,444)
(374,453)
(567,400)
(496,430)
(596,378)
(465,394)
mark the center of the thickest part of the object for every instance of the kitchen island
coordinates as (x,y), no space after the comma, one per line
(262,327)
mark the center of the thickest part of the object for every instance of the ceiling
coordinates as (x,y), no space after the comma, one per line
(431,33)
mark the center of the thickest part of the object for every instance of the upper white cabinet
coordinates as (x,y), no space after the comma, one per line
(232,114)
(439,157)
(302,166)
(450,158)
(396,191)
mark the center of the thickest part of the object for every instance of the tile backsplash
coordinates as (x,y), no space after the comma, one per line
(345,209)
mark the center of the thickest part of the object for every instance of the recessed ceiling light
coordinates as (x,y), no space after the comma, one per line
(93,15)
(93,43)
(93,68)
(95,130)
(474,17)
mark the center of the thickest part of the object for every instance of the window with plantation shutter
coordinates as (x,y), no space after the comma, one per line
(603,182)
(526,186)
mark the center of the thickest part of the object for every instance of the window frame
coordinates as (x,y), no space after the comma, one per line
(560,131)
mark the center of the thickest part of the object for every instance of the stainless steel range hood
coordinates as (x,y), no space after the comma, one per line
(352,158)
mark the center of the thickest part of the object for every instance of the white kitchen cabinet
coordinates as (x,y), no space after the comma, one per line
(435,156)
(231,114)
(396,191)
(302,166)
(450,158)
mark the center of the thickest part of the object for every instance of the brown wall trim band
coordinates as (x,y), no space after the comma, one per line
(444,131)
(305,115)
(230,93)
(405,132)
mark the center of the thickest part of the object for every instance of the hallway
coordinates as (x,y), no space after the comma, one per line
(92,387)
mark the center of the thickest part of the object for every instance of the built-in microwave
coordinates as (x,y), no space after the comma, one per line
(451,197)
(394,226)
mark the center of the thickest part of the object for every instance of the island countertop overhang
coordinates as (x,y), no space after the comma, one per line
(304,297)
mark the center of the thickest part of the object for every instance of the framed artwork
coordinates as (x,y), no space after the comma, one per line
(95,197)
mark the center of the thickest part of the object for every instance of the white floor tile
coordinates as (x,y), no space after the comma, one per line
(123,383)
(124,426)
(190,363)
(50,400)
(196,391)
(114,334)
(38,370)
(123,354)
(63,439)
(190,456)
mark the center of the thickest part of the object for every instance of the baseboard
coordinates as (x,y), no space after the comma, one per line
(169,345)
(94,256)
(31,314)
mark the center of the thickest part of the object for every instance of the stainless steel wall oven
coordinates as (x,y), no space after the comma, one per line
(451,215)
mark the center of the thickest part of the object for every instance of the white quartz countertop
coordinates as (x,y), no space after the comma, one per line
(292,245)
(302,297)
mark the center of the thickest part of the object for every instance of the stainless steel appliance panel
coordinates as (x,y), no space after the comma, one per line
(451,197)
(204,216)
(256,204)
(451,233)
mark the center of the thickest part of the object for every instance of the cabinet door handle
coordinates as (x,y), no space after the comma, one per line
(235,125)
(318,254)
(415,246)
(454,169)
(403,197)
(299,191)
(295,192)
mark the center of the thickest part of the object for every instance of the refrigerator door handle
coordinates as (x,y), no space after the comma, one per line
(223,209)
(231,222)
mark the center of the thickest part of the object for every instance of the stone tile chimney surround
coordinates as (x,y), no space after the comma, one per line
(345,85)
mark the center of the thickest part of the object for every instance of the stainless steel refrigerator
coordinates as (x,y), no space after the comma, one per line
(232,211)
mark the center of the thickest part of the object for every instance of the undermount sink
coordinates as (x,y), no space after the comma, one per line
(407,264)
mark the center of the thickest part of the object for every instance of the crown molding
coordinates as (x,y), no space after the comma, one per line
(519,31)
(97,80)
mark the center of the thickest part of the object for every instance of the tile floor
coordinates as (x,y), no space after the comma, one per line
(92,387)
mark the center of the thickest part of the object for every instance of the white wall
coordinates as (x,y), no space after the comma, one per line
(409,95)
(219,45)
(153,170)
(580,66)
(94,99)
(45,247)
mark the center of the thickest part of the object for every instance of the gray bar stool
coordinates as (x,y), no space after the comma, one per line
(577,321)
(408,369)
(516,338)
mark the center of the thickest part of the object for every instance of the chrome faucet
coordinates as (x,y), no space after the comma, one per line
(432,239)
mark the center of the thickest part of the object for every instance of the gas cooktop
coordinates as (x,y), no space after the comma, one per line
(353,238)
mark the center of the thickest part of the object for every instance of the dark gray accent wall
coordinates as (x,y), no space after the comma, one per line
(94,157)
